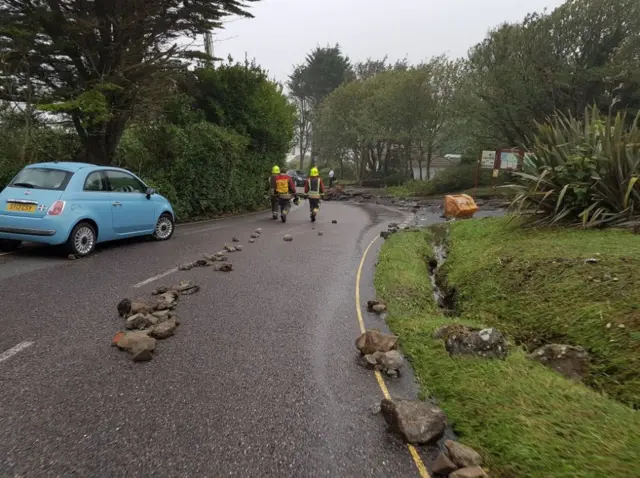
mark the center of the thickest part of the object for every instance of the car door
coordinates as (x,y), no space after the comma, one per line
(96,201)
(133,213)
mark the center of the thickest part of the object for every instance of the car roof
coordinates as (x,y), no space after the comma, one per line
(64,165)
(74,167)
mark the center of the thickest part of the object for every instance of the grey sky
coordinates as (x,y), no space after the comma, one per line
(283,31)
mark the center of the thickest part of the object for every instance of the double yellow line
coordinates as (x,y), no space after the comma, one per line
(422,469)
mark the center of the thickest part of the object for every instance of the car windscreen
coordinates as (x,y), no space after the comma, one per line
(42,178)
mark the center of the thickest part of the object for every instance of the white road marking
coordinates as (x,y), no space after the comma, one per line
(156,277)
(7,354)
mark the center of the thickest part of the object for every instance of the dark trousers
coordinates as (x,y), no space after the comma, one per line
(285,205)
(314,203)
(274,206)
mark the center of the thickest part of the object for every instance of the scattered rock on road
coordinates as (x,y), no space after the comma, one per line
(239,247)
(470,472)
(258,231)
(288,238)
(387,362)
(235,239)
(255,235)
(226,267)
(165,329)
(160,290)
(251,241)
(334,222)
(139,307)
(385,234)
(320,233)
(570,361)
(138,344)
(124,308)
(486,343)
(416,421)
(140,321)
(379,308)
(229,248)
(72,257)
(373,341)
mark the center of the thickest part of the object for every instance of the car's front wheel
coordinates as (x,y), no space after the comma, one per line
(82,240)
(9,245)
(164,227)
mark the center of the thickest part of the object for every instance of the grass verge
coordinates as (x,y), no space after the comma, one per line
(525,419)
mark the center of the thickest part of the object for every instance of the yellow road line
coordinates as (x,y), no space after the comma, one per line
(422,469)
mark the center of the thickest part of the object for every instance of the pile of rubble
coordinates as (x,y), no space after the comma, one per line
(420,422)
(147,322)
(218,260)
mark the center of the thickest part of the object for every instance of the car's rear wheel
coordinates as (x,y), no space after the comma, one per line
(82,240)
(164,227)
(9,245)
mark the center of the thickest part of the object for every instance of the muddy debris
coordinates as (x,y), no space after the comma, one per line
(570,361)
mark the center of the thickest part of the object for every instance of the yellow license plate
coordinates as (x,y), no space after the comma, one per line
(19,207)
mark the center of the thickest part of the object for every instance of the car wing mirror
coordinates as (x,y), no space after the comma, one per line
(150,192)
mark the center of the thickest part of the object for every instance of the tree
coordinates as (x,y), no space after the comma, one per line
(95,61)
(301,97)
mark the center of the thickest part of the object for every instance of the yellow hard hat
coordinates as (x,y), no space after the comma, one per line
(314,172)
(275,170)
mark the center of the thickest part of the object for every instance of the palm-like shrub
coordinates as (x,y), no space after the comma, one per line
(582,172)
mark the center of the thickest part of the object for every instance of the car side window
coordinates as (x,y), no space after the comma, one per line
(95,182)
(122,182)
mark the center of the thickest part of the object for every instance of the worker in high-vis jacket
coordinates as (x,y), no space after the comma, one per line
(272,191)
(314,189)
(285,190)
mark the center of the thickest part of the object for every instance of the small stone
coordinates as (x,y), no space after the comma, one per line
(334,222)
(608,325)
(385,234)
(288,238)
(229,248)
(375,341)
(124,308)
(116,338)
(418,422)
(72,257)
(368,361)
(592,260)
(621,326)
(202,263)
(443,465)
(160,290)
(239,247)
(162,315)
(164,330)
(320,233)
(391,360)
(379,308)
(462,455)
(251,241)
(471,472)
(226,267)
(254,236)
(371,303)
(258,231)
(375,408)
(615,279)
(139,321)
(392,373)
(187,266)
(191,290)
(235,239)
(486,343)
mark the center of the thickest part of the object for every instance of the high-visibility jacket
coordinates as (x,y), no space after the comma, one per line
(284,186)
(314,187)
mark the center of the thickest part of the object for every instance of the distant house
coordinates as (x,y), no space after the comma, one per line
(438,164)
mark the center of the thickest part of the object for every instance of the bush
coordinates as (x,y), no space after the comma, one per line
(463,177)
(582,172)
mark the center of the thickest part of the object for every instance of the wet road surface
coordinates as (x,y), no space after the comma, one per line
(260,379)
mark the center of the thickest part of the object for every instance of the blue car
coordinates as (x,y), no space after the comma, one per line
(80,205)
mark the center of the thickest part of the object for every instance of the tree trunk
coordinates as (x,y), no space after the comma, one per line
(302,154)
(429,156)
(100,142)
(420,161)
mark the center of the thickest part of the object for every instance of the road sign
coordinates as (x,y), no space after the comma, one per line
(488,159)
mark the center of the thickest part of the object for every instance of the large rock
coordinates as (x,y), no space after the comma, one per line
(462,455)
(373,341)
(379,308)
(165,329)
(486,343)
(124,308)
(445,331)
(568,360)
(391,360)
(443,465)
(470,472)
(226,267)
(139,307)
(418,422)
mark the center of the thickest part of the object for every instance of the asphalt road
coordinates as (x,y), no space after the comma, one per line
(260,379)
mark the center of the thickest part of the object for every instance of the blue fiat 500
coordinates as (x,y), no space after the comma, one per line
(80,205)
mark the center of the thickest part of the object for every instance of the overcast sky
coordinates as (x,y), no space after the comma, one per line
(283,31)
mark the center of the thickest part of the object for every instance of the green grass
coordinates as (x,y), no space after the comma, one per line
(427,189)
(525,419)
